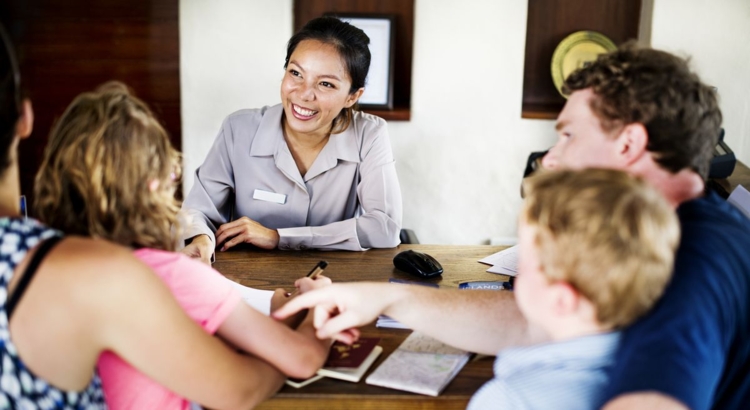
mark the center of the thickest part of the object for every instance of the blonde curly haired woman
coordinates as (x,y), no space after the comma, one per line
(110,172)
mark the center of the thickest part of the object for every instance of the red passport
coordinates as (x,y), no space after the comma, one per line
(343,356)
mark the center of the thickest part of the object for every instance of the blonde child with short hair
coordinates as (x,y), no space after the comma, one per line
(596,252)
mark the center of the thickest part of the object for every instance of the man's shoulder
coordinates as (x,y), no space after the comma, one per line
(712,210)
(715,236)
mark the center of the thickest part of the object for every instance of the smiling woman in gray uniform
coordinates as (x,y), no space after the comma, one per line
(309,173)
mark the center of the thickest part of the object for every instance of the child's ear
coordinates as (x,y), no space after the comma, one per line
(567,299)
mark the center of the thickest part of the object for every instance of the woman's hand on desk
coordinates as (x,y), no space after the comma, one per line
(245,230)
(199,248)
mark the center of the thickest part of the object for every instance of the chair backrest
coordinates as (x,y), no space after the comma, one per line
(408,237)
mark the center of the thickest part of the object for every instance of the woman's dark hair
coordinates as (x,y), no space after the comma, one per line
(10,98)
(352,45)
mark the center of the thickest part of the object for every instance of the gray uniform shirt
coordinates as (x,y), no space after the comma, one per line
(349,199)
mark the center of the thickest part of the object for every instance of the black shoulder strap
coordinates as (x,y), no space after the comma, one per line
(28,274)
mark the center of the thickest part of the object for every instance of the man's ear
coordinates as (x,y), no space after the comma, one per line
(353,97)
(25,123)
(632,143)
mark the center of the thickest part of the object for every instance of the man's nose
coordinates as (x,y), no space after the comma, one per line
(550,160)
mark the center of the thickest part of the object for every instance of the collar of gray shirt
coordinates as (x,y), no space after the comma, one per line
(270,138)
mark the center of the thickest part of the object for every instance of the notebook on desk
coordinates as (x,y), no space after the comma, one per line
(420,365)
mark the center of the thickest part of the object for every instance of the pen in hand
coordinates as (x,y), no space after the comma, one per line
(317,270)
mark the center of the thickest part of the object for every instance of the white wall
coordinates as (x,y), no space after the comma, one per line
(716,33)
(231,57)
(461,156)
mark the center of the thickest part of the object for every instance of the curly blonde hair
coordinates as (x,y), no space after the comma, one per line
(110,171)
(608,234)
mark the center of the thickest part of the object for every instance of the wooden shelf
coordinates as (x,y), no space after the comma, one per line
(549,22)
(540,111)
(396,114)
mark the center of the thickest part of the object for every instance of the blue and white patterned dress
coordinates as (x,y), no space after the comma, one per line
(19,387)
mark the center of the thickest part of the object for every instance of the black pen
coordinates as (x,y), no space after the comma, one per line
(317,270)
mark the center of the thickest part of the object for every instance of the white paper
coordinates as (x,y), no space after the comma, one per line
(257,298)
(387,322)
(504,262)
(740,198)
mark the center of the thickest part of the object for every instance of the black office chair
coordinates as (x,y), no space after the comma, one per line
(408,237)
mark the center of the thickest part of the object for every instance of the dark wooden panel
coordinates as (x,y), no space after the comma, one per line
(67,47)
(403,10)
(549,22)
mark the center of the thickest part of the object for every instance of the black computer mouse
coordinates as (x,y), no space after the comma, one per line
(418,264)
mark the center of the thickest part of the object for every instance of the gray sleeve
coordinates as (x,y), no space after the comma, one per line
(379,193)
(209,203)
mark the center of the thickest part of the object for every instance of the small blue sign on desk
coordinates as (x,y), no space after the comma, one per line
(486,285)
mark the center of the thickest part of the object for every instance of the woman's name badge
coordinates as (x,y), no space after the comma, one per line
(269,196)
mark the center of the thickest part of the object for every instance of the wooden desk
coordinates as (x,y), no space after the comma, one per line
(274,269)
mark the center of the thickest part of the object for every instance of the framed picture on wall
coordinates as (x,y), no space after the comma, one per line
(379,84)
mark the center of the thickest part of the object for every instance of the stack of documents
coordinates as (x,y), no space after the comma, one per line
(504,262)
